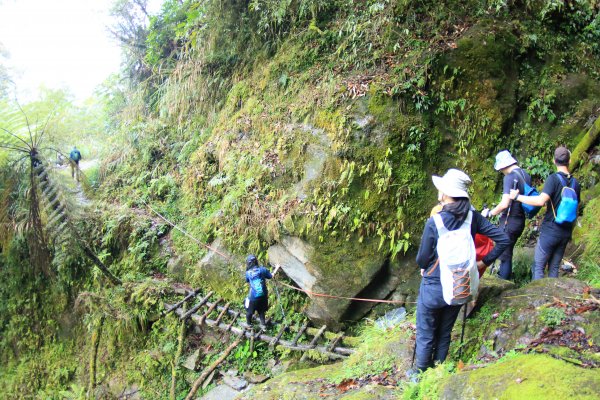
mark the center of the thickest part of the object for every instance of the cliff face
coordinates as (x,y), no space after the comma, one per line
(323,122)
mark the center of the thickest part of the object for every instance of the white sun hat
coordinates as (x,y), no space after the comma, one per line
(454,183)
(504,159)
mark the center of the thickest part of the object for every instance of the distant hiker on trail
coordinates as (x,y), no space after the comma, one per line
(74,158)
(258,298)
(450,279)
(561,195)
(513,224)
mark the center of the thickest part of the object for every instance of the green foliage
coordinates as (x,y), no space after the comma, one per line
(429,385)
(373,356)
(588,235)
(552,316)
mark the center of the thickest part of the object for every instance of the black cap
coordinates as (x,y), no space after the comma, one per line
(562,156)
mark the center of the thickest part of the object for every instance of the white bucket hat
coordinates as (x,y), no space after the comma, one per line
(504,159)
(454,183)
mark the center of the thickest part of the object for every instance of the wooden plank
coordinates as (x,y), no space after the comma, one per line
(335,341)
(300,332)
(273,343)
(223,311)
(196,307)
(313,342)
(191,295)
(235,317)
(337,353)
(211,308)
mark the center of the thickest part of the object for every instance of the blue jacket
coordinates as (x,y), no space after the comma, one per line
(75,155)
(256,277)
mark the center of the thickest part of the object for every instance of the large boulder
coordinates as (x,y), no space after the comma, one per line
(336,267)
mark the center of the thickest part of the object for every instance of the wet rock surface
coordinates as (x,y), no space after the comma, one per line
(317,268)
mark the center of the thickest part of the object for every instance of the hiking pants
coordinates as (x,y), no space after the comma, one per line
(434,327)
(74,169)
(513,229)
(549,250)
(260,305)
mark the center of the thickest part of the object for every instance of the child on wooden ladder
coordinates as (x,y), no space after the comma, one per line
(258,297)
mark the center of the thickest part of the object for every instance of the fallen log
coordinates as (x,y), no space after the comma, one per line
(212,367)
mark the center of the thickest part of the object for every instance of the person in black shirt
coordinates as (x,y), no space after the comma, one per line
(435,318)
(513,224)
(554,237)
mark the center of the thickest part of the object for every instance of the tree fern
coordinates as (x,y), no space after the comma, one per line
(50,212)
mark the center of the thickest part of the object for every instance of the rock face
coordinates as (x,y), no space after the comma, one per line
(339,268)
(223,274)
(524,377)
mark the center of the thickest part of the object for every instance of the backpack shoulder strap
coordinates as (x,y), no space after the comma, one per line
(439,224)
(564,182)
(469,219)
(520,175)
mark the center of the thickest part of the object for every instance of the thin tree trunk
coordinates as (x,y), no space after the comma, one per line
(96,334)
(211,368)
(175,365)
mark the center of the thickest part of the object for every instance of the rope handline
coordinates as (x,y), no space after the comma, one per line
(329,296)
(185,233)
(309,292)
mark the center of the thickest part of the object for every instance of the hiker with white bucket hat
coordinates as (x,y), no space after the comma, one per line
(447,260)
(512,216)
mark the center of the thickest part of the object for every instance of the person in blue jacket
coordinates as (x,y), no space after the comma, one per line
(435,318)
(258,297)
(74,158)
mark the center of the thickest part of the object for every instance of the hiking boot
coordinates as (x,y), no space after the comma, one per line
(413,375)
(245,326)
(263,327)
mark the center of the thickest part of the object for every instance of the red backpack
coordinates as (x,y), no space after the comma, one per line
(483,246)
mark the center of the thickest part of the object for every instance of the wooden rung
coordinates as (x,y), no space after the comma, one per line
(235,317)
(180,303)
(223,311)
(300,332)
(334,342)
(313,342)
(279,334)
(196,307)
(207,313)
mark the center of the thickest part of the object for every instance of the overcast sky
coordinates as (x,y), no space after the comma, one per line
(59,43)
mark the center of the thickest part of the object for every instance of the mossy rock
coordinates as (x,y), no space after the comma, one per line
(223,275)
(524,377)
(345,268)
(516,318)
(379,351)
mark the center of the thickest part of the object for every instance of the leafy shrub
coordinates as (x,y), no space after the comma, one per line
(552,316)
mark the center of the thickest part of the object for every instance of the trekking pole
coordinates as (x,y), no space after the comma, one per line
(462,333)
(510,203)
